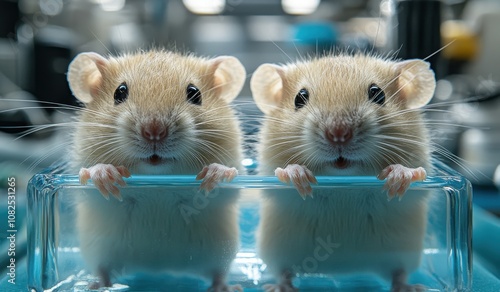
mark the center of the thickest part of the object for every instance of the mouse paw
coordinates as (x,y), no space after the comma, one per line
(399,283)
(103,281)
(214,174)
(300,176)
(399,178)
(104,177)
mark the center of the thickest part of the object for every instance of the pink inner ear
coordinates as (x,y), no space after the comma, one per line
(416,82)
(217,84)
(218,80)
(416,90)
(101,64)
(99,61)
(94,82)
(404,87)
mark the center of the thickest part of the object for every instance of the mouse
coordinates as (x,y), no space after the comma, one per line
(157,112)
(343,114)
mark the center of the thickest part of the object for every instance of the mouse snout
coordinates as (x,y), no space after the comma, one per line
(154,131)
(338,134)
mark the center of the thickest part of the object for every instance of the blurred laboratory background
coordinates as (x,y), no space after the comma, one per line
(38,39)
(460,38)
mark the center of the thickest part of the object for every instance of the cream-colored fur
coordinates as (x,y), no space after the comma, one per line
(157,83)
(148,230)
(371,233)
(338,92)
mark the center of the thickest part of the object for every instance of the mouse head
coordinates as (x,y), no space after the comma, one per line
(90,74)
(276,87)
(155,102)
(328,108)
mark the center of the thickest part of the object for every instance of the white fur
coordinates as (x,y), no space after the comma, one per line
(148,229)
(150,232)
(372,234)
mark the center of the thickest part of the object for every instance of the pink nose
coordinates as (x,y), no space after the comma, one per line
(154,132)
(339,135)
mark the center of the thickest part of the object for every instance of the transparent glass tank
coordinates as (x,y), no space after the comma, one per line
(56,262)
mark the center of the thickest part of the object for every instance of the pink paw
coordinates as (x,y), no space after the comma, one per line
(214,174)
(104,177)
(399,178)
(300,176)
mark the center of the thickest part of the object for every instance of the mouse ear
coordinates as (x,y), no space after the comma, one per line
(84,75)
(229,76)
(416,81)
(267,86)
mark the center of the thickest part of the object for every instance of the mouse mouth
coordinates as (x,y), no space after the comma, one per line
(154,159)
(341,163)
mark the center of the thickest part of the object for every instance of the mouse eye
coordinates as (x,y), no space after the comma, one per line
(121,93)
(193,94)
(376,94)
(301,98)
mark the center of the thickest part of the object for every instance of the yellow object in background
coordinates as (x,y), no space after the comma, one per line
(460,41)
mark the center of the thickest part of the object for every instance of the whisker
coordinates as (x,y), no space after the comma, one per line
(38,128)
(439,50)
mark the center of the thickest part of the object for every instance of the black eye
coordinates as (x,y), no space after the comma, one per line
(121,93)
(301,98)
(376,95)
(193,94)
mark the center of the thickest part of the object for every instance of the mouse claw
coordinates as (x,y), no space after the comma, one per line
(116,193)
(300,176)
(124,173)
(399,179)
(84,176)
(104,177)
(214,174)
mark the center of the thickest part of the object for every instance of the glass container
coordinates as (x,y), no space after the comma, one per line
(55,262)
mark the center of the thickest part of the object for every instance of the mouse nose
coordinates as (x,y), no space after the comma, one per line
(154,131)
(339,135)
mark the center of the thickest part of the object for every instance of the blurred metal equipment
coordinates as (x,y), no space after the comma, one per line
(480,143)
(418,31)
(52,53)
(9,17)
